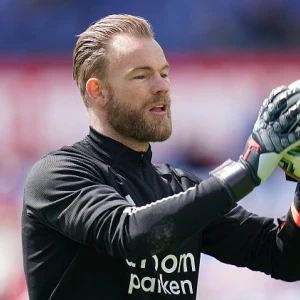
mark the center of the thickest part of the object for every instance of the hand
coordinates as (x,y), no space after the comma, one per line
(273,133)
(272,136)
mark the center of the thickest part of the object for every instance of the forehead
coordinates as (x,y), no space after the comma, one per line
(127,52)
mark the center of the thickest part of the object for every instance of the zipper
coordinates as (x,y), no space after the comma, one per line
(141,160)
(144,178)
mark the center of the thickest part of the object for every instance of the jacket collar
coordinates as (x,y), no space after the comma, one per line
(113,152)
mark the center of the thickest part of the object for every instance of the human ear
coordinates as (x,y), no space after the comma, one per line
(96,91)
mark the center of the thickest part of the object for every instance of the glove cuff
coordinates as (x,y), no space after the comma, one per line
(236,178)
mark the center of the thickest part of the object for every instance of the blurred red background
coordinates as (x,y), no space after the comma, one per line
(215,102)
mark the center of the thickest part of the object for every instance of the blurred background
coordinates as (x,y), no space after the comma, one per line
(225,58)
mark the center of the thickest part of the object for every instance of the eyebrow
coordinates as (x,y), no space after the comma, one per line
(147,68)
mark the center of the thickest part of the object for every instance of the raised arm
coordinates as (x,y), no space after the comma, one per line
(247,240)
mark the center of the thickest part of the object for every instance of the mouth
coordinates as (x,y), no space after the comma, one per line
(160,109)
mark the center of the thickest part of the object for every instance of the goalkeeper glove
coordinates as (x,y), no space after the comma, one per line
(271,138)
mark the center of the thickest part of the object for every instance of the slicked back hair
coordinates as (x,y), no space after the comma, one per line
(90,56)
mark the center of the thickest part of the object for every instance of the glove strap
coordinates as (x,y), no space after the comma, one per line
(236,178)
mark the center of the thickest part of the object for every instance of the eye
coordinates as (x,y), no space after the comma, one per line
(139,77)
(164,75)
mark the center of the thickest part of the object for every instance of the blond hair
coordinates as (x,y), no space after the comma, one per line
(90,52)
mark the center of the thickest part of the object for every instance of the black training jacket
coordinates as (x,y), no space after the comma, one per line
(101,221)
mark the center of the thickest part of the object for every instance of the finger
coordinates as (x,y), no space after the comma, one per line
(295,84)
(269,110)
(293,140)
(297,137)
(290,94)
(272,95)
(283,102)
(284,141)
(288,120)
(289,98)
(276,91)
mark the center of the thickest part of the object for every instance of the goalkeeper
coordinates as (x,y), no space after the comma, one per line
(101,221)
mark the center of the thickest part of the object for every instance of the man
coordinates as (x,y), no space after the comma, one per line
(100,221)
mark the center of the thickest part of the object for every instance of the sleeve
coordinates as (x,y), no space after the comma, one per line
(247,240)
(72,198)
(295,208)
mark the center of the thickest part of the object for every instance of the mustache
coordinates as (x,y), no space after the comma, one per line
(164,100)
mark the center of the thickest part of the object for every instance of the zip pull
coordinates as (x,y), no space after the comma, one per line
(141,159)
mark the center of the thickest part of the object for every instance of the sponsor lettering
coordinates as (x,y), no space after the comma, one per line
(170,264)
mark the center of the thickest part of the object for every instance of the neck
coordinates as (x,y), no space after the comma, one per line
(128,142)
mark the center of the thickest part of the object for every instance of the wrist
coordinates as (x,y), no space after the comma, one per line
(236,178)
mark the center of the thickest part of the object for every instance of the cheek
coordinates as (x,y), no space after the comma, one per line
(135,95)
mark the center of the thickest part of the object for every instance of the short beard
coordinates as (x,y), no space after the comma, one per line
(132,124)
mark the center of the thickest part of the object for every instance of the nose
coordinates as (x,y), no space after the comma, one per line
(161,85)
